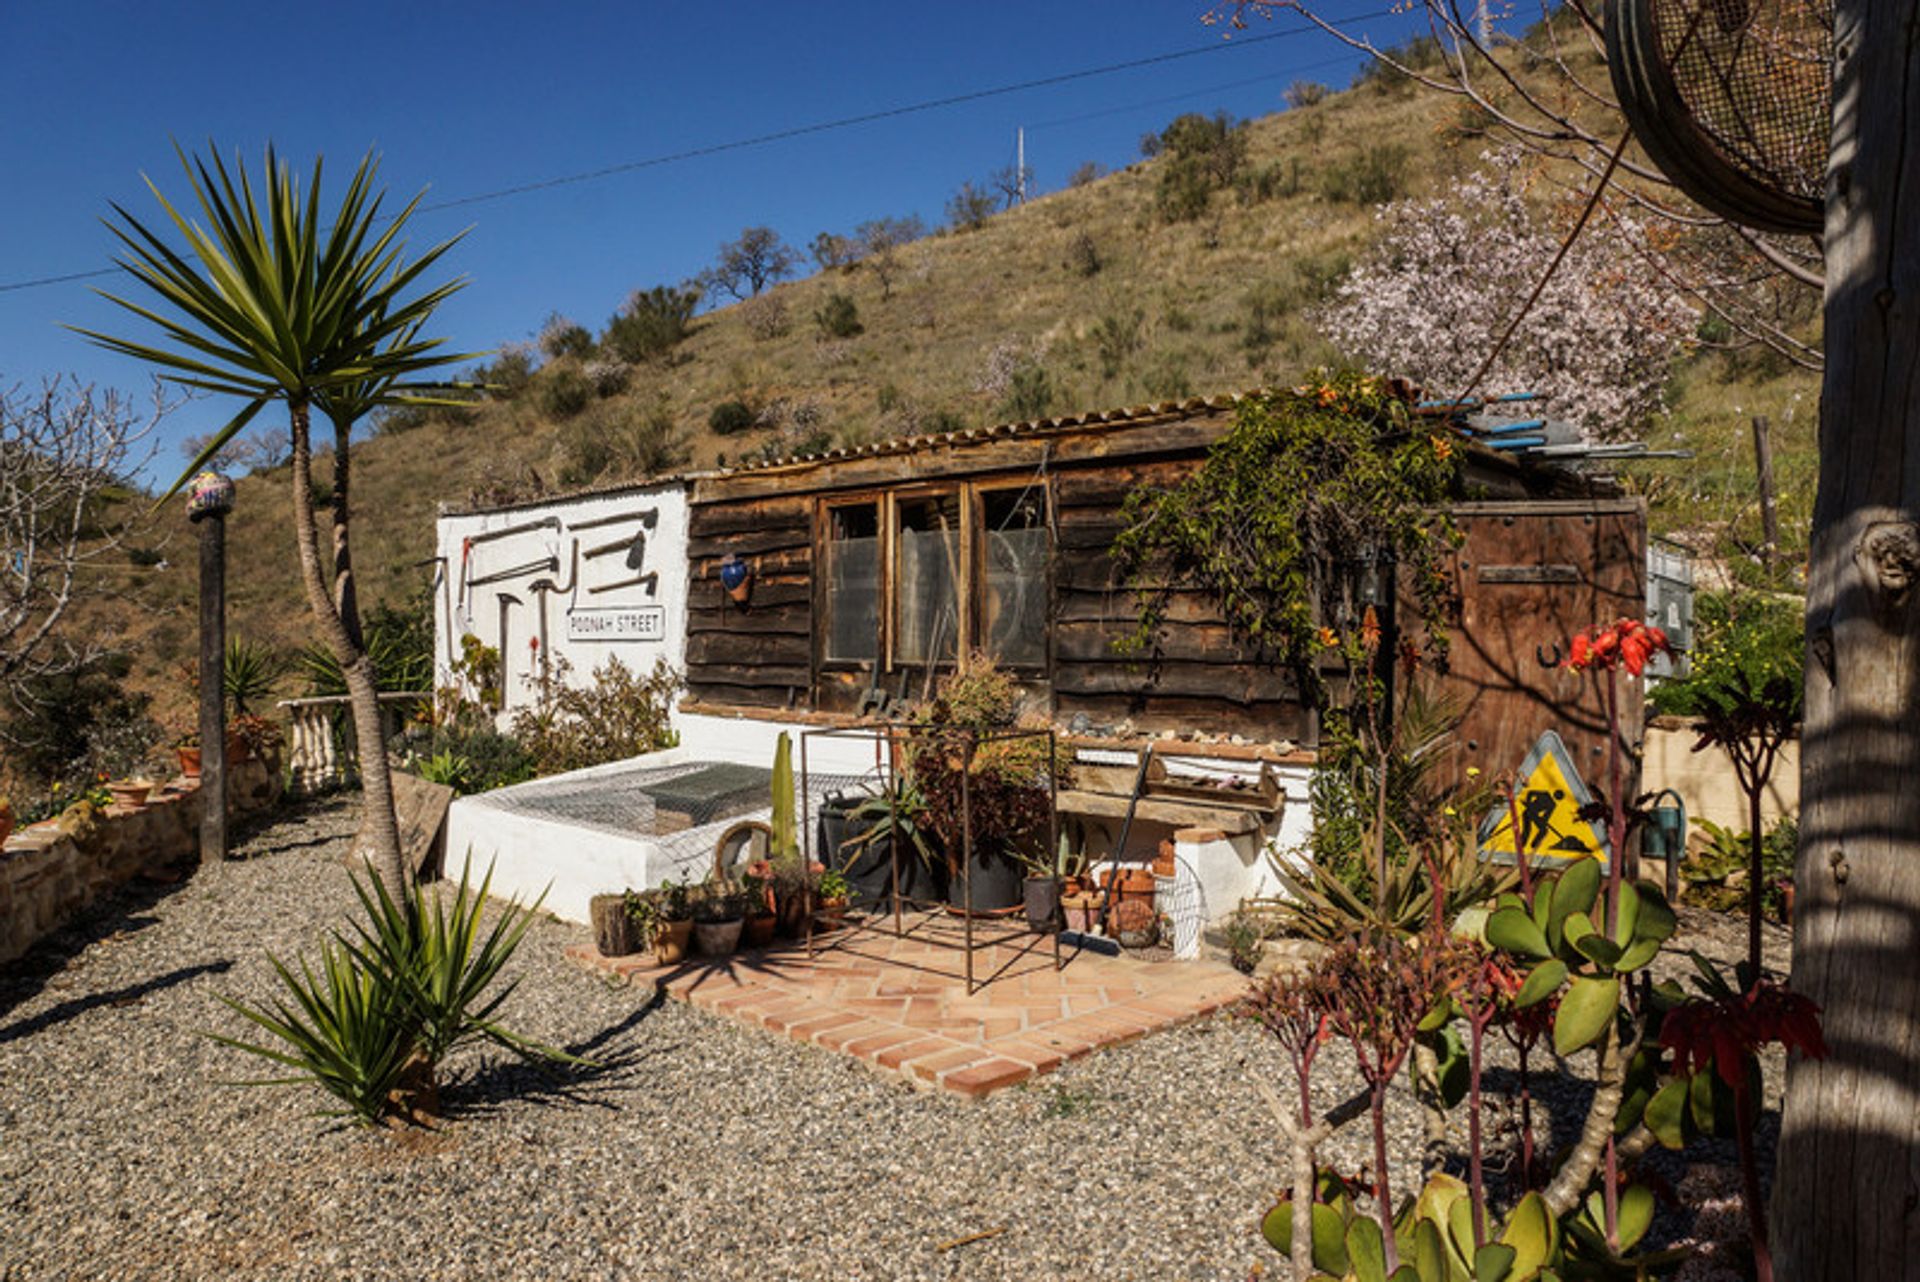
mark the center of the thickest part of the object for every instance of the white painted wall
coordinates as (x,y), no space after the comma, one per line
(461,607)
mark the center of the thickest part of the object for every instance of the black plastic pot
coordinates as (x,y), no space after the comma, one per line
(1043,904)
(996,883)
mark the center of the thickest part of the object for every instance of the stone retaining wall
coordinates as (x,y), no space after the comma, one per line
(55,869)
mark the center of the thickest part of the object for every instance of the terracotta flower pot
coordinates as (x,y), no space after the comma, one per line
(832,914)
(670,941)
(1081,910)
(130,793)
(758,932)
(189,762)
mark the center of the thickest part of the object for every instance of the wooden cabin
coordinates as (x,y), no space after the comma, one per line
(873,570)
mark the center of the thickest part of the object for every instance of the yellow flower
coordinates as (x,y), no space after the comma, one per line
(1329,638)
(1473,772)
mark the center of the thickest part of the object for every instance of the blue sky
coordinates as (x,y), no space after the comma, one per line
(468,99)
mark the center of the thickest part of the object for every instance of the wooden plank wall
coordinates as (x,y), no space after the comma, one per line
(1592,554)
(762,655)
(1196,677)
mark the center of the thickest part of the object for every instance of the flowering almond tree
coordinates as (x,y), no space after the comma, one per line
(1434,293)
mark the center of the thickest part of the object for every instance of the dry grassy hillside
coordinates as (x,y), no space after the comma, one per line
(1112,302)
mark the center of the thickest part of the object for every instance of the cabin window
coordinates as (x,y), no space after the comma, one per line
(853,583)
(926,580)
(1013,575)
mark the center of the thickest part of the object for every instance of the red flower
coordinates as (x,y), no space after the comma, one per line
(1728,1031)
(1627,644)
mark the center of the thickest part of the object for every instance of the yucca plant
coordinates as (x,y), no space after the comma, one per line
(347,1030)
(442,966)
(249,672)
(276,299)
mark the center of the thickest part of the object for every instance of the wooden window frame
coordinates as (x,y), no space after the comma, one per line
(969,591)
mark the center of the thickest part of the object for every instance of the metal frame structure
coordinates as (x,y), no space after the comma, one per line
(887,763)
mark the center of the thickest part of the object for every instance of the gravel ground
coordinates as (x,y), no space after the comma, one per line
(702,1147)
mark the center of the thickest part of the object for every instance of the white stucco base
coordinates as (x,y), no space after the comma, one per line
(534,854)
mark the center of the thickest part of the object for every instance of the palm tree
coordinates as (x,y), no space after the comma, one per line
(283,303)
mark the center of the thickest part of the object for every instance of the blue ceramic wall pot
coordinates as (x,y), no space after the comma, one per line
(736,576)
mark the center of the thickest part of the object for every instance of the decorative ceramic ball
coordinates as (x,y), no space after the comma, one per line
(209,494)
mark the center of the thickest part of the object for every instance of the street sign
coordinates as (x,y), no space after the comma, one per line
(626,623)
(1547,801)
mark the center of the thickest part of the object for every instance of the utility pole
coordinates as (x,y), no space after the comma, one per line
(209,499)
(1020,161)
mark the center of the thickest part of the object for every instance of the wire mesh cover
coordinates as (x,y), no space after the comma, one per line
(1758,77)
(658,801)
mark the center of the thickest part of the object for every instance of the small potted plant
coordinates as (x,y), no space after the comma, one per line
(833,891)
(717,919)
(756,897)
(1043,885)
(131,794)
(255,737)
(674,929)
(643,918)
(187,748)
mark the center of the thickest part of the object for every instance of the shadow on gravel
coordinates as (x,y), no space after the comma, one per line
(124,996)
(596,1084)
(121,912)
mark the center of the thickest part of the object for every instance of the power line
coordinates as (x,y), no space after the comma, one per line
(1193,93)
(801,131)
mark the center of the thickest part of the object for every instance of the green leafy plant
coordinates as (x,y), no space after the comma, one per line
(1306,496)
(344,1030)
(838,317)
(834,886)
(447,768)
(249,671)
(652,323)
(620,715)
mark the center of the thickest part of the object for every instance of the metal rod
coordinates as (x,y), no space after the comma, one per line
(648,517)
(1053,839)
(651,578)
(488,536)
(966,848)
(551,564)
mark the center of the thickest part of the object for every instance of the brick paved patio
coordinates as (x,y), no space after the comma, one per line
(901,1005)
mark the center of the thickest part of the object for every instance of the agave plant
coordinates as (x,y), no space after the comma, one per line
(249,672)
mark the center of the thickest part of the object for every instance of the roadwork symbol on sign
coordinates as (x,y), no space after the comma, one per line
(1547,801)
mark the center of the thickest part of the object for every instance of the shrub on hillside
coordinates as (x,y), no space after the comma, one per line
(1086,172)
(831,250)
(765,316)
(1200,155)
(731,417)
(1116,337)
(561,338)
(838,317)
(608,378)
(652,323)
(563,391)
(1372,176)
(507,376)
(969,208)
(620,440)
(1030,393)
(1083,255)
(1305,93)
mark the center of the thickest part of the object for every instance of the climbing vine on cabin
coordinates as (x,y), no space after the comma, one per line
(1279,525)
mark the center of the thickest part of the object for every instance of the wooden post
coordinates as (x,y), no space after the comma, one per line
(1769,510)
(209,500)
(1843,1199)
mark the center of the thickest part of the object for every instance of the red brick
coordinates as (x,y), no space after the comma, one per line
(866,1047)
(808,1030)
(900,1052)
(932,1067)
(987,1075)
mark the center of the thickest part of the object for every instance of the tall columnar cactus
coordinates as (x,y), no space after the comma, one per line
(785,847)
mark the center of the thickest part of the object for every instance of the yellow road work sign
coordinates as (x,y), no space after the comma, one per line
(1547,803)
